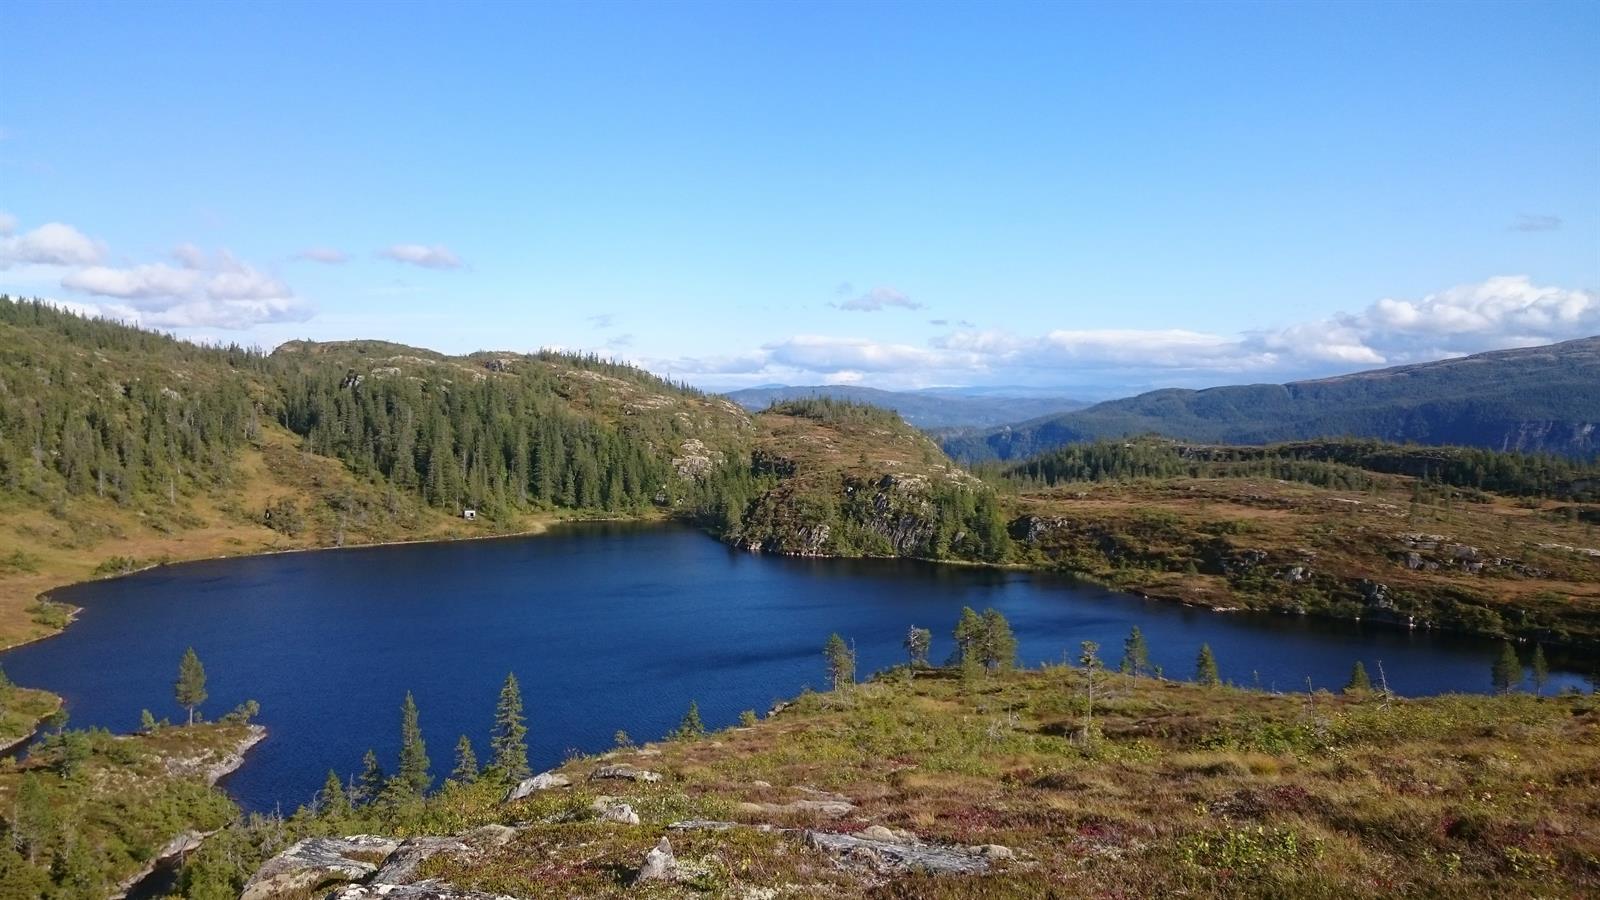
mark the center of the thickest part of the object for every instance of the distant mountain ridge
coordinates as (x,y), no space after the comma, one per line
(1532,399)
(928,408)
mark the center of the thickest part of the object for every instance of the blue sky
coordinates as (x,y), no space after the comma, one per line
(1102,198)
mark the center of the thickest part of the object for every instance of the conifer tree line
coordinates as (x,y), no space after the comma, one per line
(494,444)
(1344,464)
(413,775)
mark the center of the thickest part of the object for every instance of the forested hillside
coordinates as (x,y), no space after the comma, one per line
(121,447)
(1537,399)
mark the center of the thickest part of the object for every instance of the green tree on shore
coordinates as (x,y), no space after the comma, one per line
(190,688)
(997,646)
(841,662)
(918,642)
(334,802)
(969,631)
(1541,670)
(1135,654)
(1359,682)
(370,783)
(1506,673)
(509,743)
(466,770)
(691,727)
(411,775)
(1205,668)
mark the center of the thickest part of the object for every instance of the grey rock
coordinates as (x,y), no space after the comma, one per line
(623,771)
(314,862)
(830,808)
(424,890)
(620,813)
(543,781)
(401,866)
(659,864)
(893,857)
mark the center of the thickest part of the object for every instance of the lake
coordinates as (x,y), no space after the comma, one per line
(608,626)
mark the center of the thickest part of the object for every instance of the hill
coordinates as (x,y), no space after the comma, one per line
(1544,399)
(122,448)
(926,409)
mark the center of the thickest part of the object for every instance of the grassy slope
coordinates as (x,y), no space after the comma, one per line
(1172,788)
(1169,537)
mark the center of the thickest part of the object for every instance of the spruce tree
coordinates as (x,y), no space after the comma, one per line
(335,803)
(466,770)
(1135,654)
(691,727)
(1359,682)
(412,772)
(1205,668)
(509,742)
(370,784)
(841,662)
(1506,673)
(1541,670)
(918,642)
(190,688)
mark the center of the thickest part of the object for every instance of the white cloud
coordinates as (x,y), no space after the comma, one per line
(324,255)
(879,298)
(436,257)
(1499,312)
(52,244)
(154,280)
(1536,223)
(205,292)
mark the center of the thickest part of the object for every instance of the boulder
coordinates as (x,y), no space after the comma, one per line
(659,864)
(620,813)
(317,862)
(623,771)
(401,866)
(543,781)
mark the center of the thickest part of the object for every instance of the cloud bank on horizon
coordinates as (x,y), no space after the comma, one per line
(193,291)
(1498,313)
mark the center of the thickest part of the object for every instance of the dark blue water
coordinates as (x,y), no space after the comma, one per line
(607,627)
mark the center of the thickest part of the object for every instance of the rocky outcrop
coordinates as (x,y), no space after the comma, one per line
(420,891)
(896,856)
(369,866)
(401,865)
(624,772)
(319,862)
(543,781)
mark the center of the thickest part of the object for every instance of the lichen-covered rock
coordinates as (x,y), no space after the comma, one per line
(625,772)
(318,862)
(543,781)
(401,866)
(894,857)
(659,864)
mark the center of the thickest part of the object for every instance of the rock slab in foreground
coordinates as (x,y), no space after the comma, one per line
(315,862)
(897,856)
(543,781)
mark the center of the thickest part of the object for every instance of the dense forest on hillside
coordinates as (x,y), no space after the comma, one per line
(93,408)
